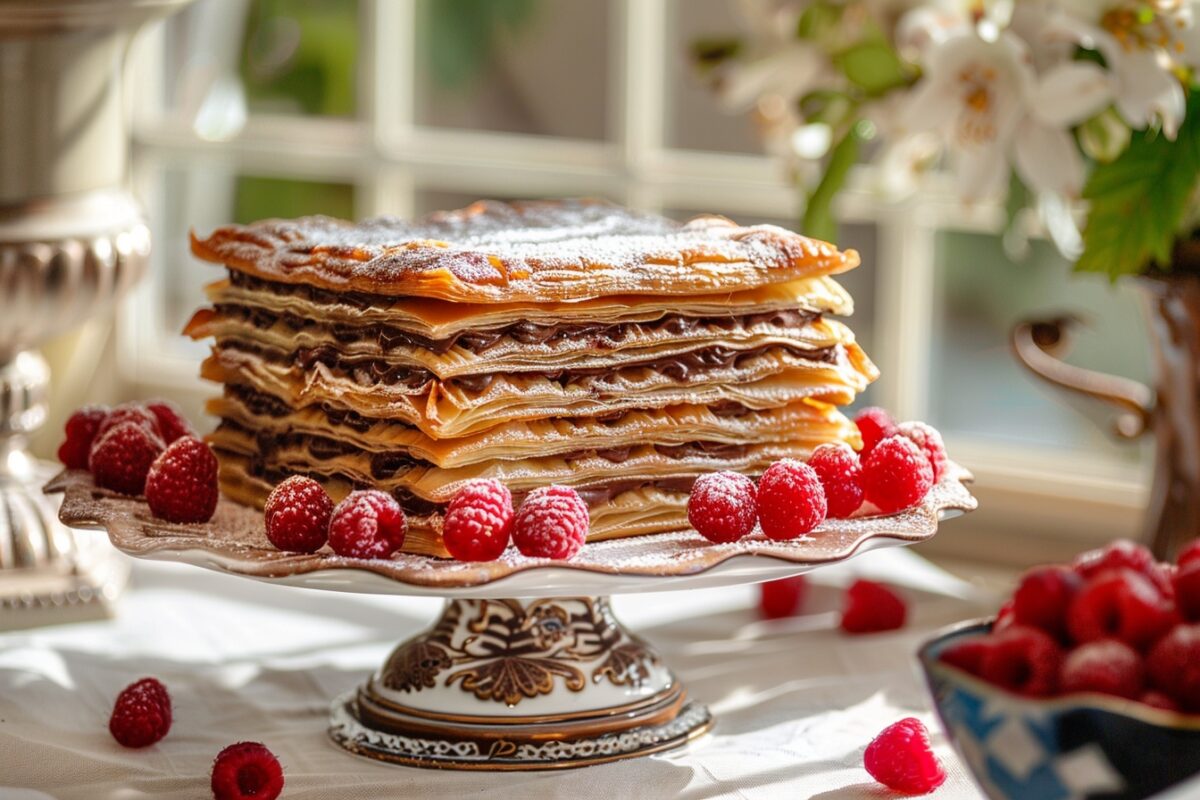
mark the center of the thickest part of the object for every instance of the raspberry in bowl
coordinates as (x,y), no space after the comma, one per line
(1090,687)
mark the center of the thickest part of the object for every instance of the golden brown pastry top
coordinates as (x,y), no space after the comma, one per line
(537,251)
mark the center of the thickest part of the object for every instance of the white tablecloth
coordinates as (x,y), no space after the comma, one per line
(796,702)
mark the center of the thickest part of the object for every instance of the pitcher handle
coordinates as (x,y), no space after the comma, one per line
(1038,345)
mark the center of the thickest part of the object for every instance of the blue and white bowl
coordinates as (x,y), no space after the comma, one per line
(1076,746)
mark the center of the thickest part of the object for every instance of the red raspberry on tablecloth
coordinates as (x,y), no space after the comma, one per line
(246,771)
(1043,597)
(81,429)
(1107,666)
(171,423)
(122,455)
(1120,604)
(129,412)
(902,759)
(722,506)
(181,485)
(927,438)
(552,522)
(871,607)
(840,471)
(791,500)
(874,425)
(479,521)
(141,715)
(896,474)
(367,524)
(781,598)
(1174,666)
(297,515)
(1023,660)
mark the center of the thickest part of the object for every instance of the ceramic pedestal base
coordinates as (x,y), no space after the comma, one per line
(519,685)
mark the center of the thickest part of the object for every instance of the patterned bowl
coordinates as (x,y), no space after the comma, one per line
(1080,746)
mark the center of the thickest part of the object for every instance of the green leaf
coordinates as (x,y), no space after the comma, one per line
(873,66)
(1138,200)
(819,221)
(816,20)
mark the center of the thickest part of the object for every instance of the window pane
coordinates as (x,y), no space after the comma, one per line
(519,66)
(978,388)
(694,120)
(228,57)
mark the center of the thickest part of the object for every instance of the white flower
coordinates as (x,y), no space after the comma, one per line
(988,103)
(1141,42)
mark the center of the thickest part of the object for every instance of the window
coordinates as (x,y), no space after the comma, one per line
(268,108)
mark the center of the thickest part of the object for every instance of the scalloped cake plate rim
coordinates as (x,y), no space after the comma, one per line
(654,562)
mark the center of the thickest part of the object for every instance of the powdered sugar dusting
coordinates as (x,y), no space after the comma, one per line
(523,251)
(234,541)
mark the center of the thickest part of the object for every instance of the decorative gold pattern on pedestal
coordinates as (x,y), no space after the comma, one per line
(610,697)
(514,651)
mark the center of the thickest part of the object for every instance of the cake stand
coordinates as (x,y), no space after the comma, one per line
(527,668)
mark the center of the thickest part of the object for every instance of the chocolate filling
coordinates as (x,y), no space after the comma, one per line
(385,465)
(370,371)
(263,404)
(600,336)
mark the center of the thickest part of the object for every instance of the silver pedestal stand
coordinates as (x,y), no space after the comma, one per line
(72,241)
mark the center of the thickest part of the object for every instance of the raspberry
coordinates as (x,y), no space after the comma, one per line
(791,500)
(1189,554)
(875,425)
(1043,596)
(902,759)
(871,607)
(81,431)
(1005,618)
(121,457)
(781,598)
(181,485)
(553,523)
(1123,554)
(1187,590)
(722,506)
(840,471)
(967,655)
(142,714)
(1106,666)
(246,771)
(1158,700)
(1174,666)
(896,474)
(367,524)
(171,423)
(297,514)
(930,441)
(129,412)
(479,521)
(1023,660)
(1120,604)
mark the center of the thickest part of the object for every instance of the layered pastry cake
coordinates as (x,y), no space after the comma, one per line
(569,342)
